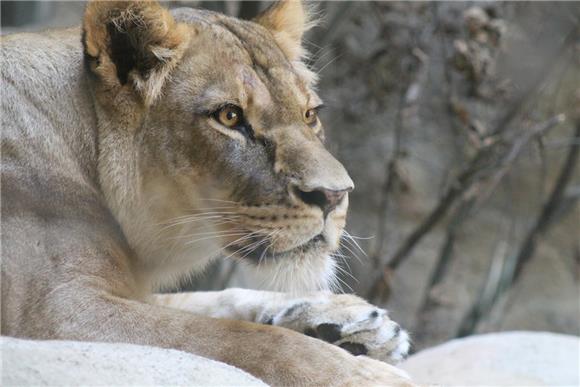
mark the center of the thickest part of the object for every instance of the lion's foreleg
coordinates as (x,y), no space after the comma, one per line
(277,356)
(343,320)
(236,304)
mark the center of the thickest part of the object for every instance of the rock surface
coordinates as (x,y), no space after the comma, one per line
(57,363)
(500,359)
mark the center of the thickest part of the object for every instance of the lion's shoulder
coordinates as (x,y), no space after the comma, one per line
(47,113)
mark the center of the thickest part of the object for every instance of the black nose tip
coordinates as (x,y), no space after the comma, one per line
(325,199)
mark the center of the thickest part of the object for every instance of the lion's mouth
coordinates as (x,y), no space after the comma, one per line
(263,252)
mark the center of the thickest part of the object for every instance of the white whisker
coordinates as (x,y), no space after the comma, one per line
(209,219)
(353,254)
(213,237)
(353,240)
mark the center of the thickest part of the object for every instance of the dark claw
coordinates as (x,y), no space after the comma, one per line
(310,332)
(397,330)
(328,332)
(294,308)
(354,348)
(269,321)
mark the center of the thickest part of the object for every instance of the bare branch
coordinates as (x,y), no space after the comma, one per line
(497,284)
(544,220)
(479,168)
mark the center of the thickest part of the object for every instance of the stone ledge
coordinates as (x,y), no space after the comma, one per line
(50,363)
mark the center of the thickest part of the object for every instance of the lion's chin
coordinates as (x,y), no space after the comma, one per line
(311,270)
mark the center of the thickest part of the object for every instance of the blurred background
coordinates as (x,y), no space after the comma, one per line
(460,125)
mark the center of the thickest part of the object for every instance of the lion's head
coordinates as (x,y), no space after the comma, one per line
(210,137)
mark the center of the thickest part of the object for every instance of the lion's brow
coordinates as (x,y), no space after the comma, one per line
(246,37)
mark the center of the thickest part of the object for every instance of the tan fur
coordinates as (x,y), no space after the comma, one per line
(287,21)
(98,172)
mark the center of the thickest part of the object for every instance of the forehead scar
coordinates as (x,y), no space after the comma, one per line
(256,89)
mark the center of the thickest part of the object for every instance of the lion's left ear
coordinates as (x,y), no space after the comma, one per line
(287,20)
(132,44)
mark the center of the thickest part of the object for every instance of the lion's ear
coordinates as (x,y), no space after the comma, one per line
(287,20)
(132,44)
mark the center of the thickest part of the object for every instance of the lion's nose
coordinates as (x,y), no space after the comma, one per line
(324,198)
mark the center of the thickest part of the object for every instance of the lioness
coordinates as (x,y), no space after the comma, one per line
(176,138)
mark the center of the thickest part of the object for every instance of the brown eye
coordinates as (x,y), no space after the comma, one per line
(229,116)
(311,116)
(232,117)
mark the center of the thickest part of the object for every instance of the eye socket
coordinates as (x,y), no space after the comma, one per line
(311,116)
(229,116)
(232,117)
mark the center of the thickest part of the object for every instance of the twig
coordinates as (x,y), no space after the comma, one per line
(392,176)
(488,293)
(521,142)
(454,109)
(576,263)
(382,285)
(545,218)
(526,94)
(443,262)
(408,78)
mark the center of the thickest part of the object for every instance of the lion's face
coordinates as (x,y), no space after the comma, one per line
(234,146)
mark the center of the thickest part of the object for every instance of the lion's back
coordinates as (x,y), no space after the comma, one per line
(48,158)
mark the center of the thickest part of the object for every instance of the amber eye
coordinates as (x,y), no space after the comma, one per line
(229,116)
(311,116)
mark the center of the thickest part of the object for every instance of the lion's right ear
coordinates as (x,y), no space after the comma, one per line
(132,44)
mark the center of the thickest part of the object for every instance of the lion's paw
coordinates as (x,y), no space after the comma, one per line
(346,321)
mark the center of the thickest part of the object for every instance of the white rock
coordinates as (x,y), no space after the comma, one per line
(58,363)
(500,359)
